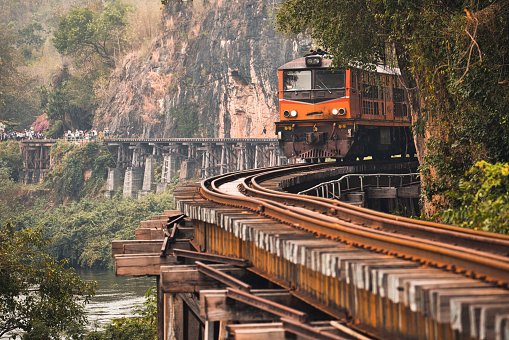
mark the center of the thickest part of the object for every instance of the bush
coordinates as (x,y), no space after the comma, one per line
(10,159)
(82,231)
(67,179)
(482,202)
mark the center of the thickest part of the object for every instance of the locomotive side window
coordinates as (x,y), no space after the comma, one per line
(327,79)
(297,80)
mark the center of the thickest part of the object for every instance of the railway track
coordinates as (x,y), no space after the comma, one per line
(470,252)
(407,256)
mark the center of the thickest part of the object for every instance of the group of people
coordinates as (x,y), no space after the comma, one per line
(23,135)
(80,134)
(27,134)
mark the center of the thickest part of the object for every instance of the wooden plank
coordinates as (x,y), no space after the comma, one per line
(141,264)
(215,307)
(171,212)
(159,217)
(135,246)
(270,331)
(148,234)
(187,279)
(157,224)
(413,191)
(146,246)
(387,192)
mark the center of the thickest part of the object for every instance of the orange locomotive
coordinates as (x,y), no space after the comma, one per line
(338,114)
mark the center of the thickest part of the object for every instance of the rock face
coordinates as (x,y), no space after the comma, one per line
(212,73)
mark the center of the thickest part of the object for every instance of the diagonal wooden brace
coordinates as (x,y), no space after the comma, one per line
(234,261)
(222,277)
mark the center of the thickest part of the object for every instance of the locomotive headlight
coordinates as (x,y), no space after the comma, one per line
(293,113)
(313,61)
(286,113)
(340,112)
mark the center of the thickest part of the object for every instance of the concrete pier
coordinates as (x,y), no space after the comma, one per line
(133,181)
(179,159)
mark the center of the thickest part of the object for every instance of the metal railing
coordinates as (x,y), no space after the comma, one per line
(329,189)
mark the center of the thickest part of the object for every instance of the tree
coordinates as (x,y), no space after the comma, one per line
(39,297)
(84,32)
(10,159)
(17,102)
(41,123)
(452,56)
(29,39)
(70,105)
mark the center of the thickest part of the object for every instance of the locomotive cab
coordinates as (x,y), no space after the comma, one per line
(340,113)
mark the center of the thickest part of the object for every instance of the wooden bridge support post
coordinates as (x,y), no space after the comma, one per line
(222,165)
(207,161)
(241,164)
(257,156)
(160,309)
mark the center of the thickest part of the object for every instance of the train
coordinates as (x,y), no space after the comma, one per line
(343,114)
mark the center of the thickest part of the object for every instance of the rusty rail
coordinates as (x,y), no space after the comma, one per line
(448,246)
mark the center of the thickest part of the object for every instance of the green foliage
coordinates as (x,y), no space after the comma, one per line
(143,327)
(40,298)
(10,159)
(13,194)
(29,39)
(482,202)
(452,57)
(71,103)
(84,32)
(82,231)
(18,103)
(67,179)
(186,117)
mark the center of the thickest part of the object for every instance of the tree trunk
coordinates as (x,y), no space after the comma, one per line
(416,103)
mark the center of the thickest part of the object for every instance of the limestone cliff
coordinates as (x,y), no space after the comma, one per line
(212,73)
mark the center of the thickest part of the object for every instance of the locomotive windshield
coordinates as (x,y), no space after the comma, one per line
(327,79)
(297,80)
(323,80)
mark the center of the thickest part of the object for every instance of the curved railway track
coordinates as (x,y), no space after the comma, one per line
(469,252)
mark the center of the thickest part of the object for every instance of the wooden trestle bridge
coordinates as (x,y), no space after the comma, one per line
(243,258)
(137,159)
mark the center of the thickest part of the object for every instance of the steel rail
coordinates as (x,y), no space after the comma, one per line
(473,239)
(489,266)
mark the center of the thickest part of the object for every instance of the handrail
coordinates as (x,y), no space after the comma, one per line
(324,187)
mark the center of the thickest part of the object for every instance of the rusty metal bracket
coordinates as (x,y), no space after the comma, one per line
(308,331)
(266,305)
(222,277)
(169,237)
(235,261)
(172,222)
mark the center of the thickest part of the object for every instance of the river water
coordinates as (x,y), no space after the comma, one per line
(115,296)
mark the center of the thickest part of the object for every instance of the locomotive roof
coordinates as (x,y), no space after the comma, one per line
(300,63)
